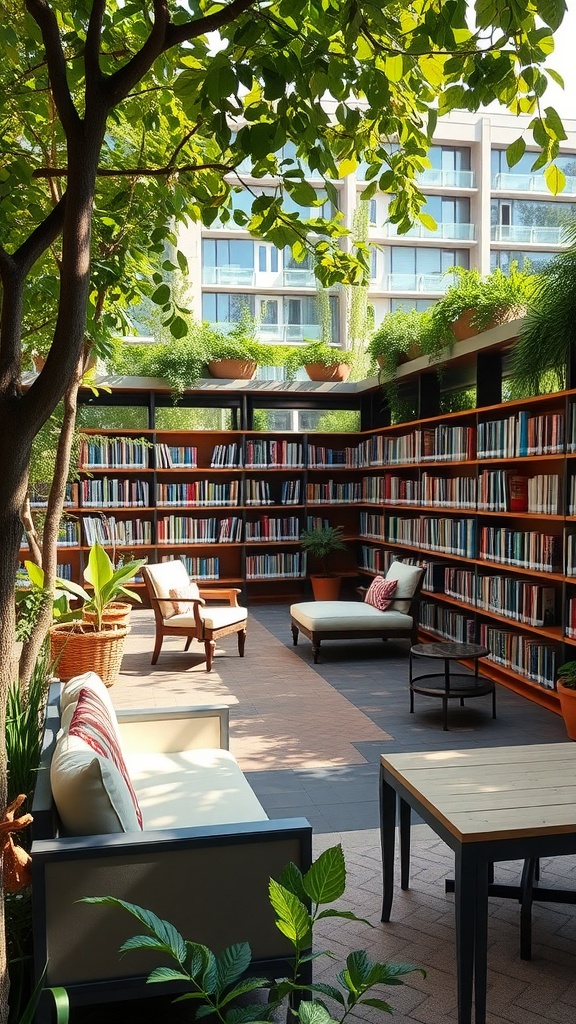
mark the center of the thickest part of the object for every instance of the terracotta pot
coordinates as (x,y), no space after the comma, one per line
(568,707)
(117,613)
(412,352)
(326,588)
(232,369)
(335,372)
(462,328)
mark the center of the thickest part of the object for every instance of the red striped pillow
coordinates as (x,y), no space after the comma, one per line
(91,723)
(380,593)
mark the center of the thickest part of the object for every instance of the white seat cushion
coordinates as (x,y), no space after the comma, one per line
(408,577)
(333,616)
(167,576)
(214,616)
(192,787)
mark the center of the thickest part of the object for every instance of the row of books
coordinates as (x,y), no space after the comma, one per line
(271,454)
(521,434)
(333,492)
(199,492)
(107,530)
(447,623)
(514,598)
(68,534)
(372,558)
(189,530)
(571,618)
(372,525)
(114,453)
(454,536)
(526,549)
(320,457)
(111,492)
(39,495)
(291,565)
(226,456)
(198,568)
(176,456)
(271,528)
(534,659)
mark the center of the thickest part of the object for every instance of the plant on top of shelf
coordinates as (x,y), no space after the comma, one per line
(475,303)
(548,333)
(322,361)
(396,340)
(182,361)
(320,542)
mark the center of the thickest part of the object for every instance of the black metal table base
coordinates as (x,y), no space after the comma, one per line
(450,690)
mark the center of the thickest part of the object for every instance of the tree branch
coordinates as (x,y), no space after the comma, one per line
(92,49)
(42,237)
(46,21)
(138,172)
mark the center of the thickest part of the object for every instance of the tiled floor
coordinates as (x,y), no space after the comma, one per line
(309,739)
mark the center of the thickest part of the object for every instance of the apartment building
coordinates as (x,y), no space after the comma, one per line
(487,215)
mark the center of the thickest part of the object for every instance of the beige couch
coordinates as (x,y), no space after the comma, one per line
(201,860)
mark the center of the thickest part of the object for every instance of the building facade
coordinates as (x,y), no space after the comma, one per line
(487,216)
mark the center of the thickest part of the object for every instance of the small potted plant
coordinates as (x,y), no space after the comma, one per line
(94,642)
(396,340)
(320,542)
(325,362)
(566,690)
(234,355)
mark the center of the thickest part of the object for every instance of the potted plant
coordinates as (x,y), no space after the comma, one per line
(566,690)
(325,362)
(473,304)
(320,542)
(396,340)
(95,641)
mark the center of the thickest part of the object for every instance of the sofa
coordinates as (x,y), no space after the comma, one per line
(389,611)
(151,807)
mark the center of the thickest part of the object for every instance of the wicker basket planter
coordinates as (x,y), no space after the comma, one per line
(76,647)
(117,613)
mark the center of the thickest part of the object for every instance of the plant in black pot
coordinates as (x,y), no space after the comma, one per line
(321,542)
(566,690)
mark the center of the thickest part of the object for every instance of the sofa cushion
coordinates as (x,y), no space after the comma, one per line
(90,794)
(407,577)
(336,616)
(379,593)
(91,723)
(181,598)
(71,691)
(192,787)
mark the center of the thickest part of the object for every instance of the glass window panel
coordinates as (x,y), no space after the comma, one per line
(209,307)
(294,311)
(236,305)
(209,252)
(117,417)
(241,253)
(262,258)
(428,261)
(274,259)
(403,260)
(269,311)
(181,418)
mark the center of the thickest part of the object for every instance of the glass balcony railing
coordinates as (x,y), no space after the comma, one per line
(460,232)
(528,183)
(419,282)
(277,333)
(295,278)
(447,179)
(526,234)
(228,275)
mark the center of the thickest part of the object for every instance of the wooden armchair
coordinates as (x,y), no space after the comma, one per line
(181,609)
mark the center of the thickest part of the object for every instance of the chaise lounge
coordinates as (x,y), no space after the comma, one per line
(393,616)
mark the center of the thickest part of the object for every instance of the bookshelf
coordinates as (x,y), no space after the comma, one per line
(486,497)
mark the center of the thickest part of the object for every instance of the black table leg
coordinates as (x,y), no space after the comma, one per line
(387,839)
(446,692)
(405,822)
(465,913)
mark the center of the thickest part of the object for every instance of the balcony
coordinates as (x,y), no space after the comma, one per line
(528,183)
(455,232)
(446,179)
(295,278)
(277,333)
(438,283)
(229,276)
(527,235)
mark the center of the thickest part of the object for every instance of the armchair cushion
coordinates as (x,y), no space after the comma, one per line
(341,616)
(379,593)
(182,598)
(163,577)
(407,577)
(219,615)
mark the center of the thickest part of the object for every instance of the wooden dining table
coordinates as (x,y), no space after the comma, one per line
(490,804)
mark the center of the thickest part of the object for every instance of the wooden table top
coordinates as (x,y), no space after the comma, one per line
(494,792)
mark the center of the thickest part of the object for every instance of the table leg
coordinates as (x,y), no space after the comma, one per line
(387,839)
(405,823)
(471,908)
(410,671)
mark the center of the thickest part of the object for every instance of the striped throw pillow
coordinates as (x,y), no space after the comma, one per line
(380,593)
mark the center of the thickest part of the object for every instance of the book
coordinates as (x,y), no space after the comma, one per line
(518,493)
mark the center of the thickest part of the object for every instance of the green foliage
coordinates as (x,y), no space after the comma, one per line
(322,541)
(549,331)
(398,333)
(339,421)
(567,675)
(215,982)
(494,299)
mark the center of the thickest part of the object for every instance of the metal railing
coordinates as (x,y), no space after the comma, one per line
(228,275)
(459,232)
(447,179)
(526,234)
(418,282)
(508,182)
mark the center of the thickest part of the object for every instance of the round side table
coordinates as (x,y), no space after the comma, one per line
(450,688)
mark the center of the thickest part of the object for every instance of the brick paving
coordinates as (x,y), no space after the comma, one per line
(309,739)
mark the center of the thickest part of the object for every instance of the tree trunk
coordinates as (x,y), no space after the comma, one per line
(54,511)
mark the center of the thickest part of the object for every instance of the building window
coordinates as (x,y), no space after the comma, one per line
(531,262)
(408,304)
(412,260)
(225,308)
(448,210)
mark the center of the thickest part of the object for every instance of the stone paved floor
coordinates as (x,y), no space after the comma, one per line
(309,739)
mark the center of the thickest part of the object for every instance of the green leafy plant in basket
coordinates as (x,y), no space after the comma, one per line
(217,983)
(108,584)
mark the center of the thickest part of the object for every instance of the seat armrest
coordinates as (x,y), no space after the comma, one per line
(229,594)
(164,730)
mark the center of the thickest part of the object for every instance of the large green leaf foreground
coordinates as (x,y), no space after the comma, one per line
(217,982)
